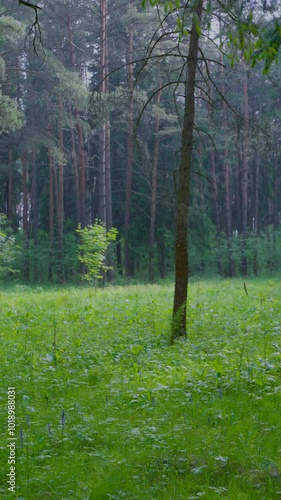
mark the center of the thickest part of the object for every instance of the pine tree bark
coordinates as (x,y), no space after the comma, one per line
(82,178)
(154,189)
(227,182)
(34,200)
(108,194)
(215,192)
(256,209)
(25,216)
(60,204)
(105,195)
(181,271)
(79,172)
(245,168)
(51,203)
(104,136)
(129,176)
(10,186)
(76,178)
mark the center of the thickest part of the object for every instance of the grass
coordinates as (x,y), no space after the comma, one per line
(107,410)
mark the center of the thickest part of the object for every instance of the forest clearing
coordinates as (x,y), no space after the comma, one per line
(140,144)
(106,409)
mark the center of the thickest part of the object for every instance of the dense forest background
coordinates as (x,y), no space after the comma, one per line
(91,106)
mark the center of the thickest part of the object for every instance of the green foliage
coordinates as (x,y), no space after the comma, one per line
(202,242)
(10,29)
(39,264)
(8,249)
(95,240)
(10,116)
(263,252)
(106,410)
(268,46)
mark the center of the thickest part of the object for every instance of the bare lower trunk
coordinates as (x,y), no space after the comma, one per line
(244,188)
(25,216)
(256,213)
(51,205)
(154,192)
(60,209)
(227,193)
(129,177)
(34,201)
(10,186)
(82,178)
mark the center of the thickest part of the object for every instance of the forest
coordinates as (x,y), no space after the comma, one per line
(92,104)
(140,250)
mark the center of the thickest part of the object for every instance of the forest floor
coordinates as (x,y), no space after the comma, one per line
(105,409)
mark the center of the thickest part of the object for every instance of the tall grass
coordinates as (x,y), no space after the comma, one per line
(107,410)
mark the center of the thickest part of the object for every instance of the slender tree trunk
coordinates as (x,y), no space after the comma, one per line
(60,205)
(215,191)
(257,184)
(227,196)
(34,201)
(276,188)
(56,189)
(103,89)
(154,190)
(79,173)
(129,177)
(105,198)
(108,194)
(25,217)
(76,178)
(101,176)
(51,205)
(119,256)
(181,274)
(245,167)
(256,208)
(10,186)
(82,178)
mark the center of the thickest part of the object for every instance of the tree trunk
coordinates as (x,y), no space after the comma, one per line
(10,186)
(82,178)
(103,88)
(181,272)
(76,179)
(154,191)
(105,198)
(245,168)
(60,205)
(256,208)
(215,191)
(79,172)
(51,205)
(34,201)
(108,195)
(129,177)
(227,196)
(25,217)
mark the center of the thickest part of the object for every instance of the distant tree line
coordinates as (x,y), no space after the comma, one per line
(91,109)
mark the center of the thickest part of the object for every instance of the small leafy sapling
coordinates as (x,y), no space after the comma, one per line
(94,243)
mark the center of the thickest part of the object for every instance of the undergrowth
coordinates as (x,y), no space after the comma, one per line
(106,409)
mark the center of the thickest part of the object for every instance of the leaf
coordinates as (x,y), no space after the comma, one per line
(217,366)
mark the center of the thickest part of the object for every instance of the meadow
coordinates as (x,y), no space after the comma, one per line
(107,410)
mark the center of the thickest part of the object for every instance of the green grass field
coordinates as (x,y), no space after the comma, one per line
(105,409)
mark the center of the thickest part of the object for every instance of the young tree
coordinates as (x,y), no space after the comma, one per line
(95,241)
